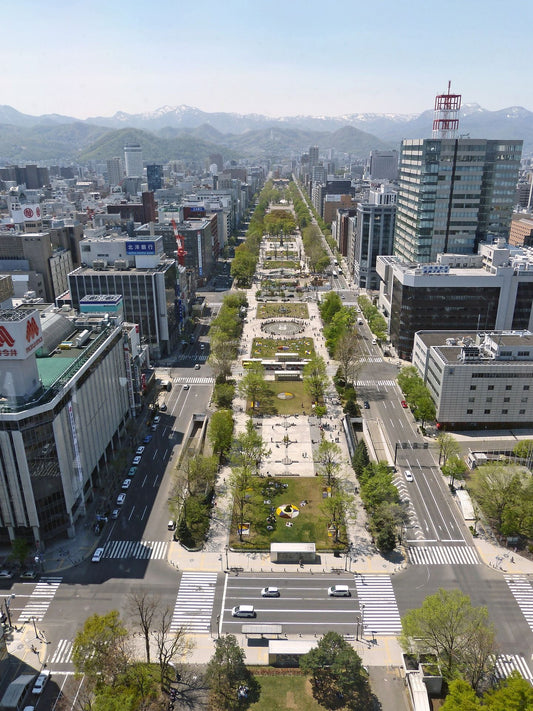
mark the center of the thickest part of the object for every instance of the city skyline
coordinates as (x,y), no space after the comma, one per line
(285,60)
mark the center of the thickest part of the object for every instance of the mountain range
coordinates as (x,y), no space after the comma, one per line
(187,133)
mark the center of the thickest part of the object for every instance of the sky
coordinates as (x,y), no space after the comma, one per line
(274,57)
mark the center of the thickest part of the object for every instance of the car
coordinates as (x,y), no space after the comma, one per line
(132,471)
(171,525)
(366,405)
(186,386)
(157,420)
(202,346)
(270,592)
(140,451)
(126,483)
(29,575)
(5,575)
(163,407)
(197,366)
(97,555)
(136,460)
(121,498)
(403,403)
(40,682)
(147,439)
(243,611)
(29,708)
(114,514)
(408,475)
(339,591)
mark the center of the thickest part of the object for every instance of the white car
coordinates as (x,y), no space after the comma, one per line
(114,514)
(157,420)
(270,592)
(5,575)
(97,555)
(41,682)
(126,483)
(186,386)
(140,451)
(136,460)
(121,498)
(408,475)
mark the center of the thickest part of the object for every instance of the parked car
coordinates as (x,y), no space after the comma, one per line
(403,403)
(136,460)
(126,483)
(132,471)
(140,451)
(29,575)
(147,439)
(121,498)
(114,514)
(97,555)
(270,592)
(157,420)
(163,407)
(40,683)
(5,575)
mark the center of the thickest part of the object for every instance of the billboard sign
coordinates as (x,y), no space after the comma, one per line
(200,261)
(19,339)
(140,247)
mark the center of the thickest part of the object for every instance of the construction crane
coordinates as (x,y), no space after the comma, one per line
(180,242)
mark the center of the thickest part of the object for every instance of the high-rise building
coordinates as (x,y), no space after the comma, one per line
(383,165)
(453,194)
(313,156)
(133,159)
(154,176)
(115,171)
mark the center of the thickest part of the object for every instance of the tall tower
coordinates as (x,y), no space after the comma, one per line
(133,158)
(446,121)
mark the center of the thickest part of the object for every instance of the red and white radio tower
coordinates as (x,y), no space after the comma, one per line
(446,121)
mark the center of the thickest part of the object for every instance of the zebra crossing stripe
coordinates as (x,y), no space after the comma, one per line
(194,602)
(40,599)
(373,383)
(522,591)
(142,550)
(193,381)
(443,555)
(63,652)
(507,663)
(184,356)
(377,602)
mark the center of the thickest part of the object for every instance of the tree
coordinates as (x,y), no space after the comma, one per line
(249,447)
(171,645)
(223,353)
(20,550)
(225,673)
(455,468)
(223,395)
(346,354)
(338,678)
(243,486)
(360,458)
(329,306)
(425,409)
(341,323)
(99,650)
(329,460)
(499,489)
(461,697)
(524,449)
(255,388)
(448,446)
(315,377)
(143,607)
(220,431)
(448,626)
(243,265)
(512,694)
(336,507)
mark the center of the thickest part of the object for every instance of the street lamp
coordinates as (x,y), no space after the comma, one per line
(34,627)
(7,602)
(362,621)
(227,564)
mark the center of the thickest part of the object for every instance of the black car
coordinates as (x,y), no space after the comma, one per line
(366,405)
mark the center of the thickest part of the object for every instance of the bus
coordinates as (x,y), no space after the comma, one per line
(248,362)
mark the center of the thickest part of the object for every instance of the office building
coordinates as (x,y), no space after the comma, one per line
(313,156)
(383,165)
(133,160)
(478,379)
(491,290)
(521,232)
(115,171)
(63,409)
(453,194)
(154,176)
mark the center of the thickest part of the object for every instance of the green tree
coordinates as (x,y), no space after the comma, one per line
(512,694)
(360,458)
(329,306)
(99,650)
(455,468)
(223,395)
(315,377)
(243,487)
(524,449)
(346,354)
(461,697)
(341,323)
(498,490)
(243,266)
(223,353)
(256,389)
(226,672)
(329,460)
(425,409)
(448,446)
(337,675)
(448,626)
(249,448)
(20,550)
(220,431)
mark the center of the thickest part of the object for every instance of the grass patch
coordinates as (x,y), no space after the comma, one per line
(282,252)
(285,692)
(281,264)
(276,310)
(300,403)
(266,348)
(310,526)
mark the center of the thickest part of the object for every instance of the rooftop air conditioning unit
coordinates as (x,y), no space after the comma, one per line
(121,264)
(99,264)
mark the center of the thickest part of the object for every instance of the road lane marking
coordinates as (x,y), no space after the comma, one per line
(131,512)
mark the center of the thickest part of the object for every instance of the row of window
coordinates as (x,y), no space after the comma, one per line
(488,412)
(507,387)
(505,399)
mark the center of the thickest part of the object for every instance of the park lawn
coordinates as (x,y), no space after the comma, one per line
(272,309)
(285,692)
(281,264)
(266,348)
(300,403)
(310,526)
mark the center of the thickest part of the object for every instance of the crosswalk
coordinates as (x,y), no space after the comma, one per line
(40,599)
(370,359)
(62,653)
(142,550)
(508,663)
(193,381)
(443,555)
(199,358)
(373,383)
(522,591)
(194,603)
(377,602)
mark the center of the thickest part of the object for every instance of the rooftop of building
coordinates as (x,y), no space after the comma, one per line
(465,347)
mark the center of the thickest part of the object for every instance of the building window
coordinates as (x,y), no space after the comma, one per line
(526,387)
(508,387)
(504,412)
(491,387)
(469,412)
(486,412)
(473,387)
(521,412)
(471,399)
(507,399)
(523,399)
(489,399)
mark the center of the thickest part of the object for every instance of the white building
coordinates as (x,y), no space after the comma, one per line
(478,379)
(133,159)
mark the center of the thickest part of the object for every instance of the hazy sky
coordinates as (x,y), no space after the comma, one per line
(275,57)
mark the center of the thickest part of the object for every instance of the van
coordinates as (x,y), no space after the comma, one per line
(171,525)
(339,591)
(243,611)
